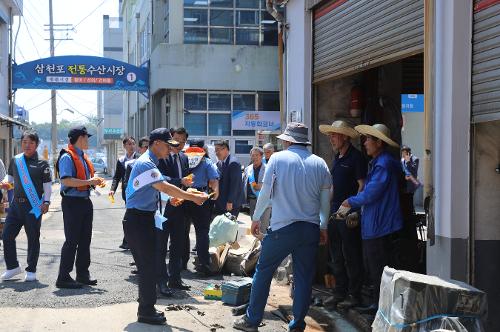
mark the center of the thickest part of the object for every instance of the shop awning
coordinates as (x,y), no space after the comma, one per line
(9,122)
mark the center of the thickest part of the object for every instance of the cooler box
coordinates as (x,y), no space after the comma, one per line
(237,292)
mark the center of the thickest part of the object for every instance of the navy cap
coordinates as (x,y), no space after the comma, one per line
(162,134)
(197,142)
(78,131)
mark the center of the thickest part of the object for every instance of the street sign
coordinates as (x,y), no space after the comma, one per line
(112,133)
(80,73)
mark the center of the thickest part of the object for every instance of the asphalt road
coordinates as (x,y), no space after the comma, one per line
(110,265)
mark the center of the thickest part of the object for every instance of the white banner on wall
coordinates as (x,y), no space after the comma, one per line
(251,120)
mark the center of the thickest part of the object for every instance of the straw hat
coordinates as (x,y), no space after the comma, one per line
(339,127)
(295,132)
(379,131)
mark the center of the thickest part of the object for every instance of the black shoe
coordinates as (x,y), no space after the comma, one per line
(349,302)
(334,299)
(203,270)
(68,283)
(164,291)
(154,319)
(87,281)
(369,310)
(179,285)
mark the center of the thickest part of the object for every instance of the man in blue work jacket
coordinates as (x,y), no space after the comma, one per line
(381,212)
(143,216)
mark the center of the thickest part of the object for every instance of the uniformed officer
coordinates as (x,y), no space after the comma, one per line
(77,179)
(143,186)
(31,200)
(206,178)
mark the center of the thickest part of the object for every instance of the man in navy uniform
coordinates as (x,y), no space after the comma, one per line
(144,185)
(31,200)
(77,179)
(130,154)
(348,175)
(206,178)
(230,183)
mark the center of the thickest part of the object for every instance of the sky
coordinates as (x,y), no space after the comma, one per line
(86,18)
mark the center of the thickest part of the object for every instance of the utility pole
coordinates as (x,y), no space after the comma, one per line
(53,127)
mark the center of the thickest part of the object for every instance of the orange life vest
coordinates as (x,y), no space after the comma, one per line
(80,169)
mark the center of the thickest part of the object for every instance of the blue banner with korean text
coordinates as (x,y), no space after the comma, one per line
(80,73)
(251,120)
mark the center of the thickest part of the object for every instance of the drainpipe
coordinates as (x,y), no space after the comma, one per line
(429,64)
(271,9)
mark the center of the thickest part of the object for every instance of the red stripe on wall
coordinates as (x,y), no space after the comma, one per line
(328,8)
(481,5)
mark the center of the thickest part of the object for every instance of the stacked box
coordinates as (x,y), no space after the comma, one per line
(237,292)
(413,302)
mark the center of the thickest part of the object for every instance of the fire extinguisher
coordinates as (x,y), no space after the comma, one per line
(356,101)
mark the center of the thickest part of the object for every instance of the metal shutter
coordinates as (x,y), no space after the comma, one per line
(486,62)
(354,35)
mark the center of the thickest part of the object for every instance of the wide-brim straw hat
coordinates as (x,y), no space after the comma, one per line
(379,131)
(339,127)
(296,132)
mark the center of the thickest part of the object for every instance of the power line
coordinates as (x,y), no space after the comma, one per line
(39,104)
(31,37)
(92,12)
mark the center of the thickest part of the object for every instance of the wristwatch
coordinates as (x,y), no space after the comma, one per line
(46,202)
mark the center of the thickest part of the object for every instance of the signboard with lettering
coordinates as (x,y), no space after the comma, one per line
(80,73)
(412,103)
(112,133)
(251,120)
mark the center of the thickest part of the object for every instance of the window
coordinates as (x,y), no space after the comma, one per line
(242,147)
(195,124)
(219,102)
(244,102)
(234,22)
(166,22)
(269,101)
(219,124)
(195,101)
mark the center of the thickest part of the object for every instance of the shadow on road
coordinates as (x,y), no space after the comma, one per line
(22,286)
(81,291)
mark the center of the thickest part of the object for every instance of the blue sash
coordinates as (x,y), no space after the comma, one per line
(28,186)
(251,178)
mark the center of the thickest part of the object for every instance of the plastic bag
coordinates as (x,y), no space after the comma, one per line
(223,229)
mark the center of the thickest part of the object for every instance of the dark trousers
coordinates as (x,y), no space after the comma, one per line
(217,211)
(346,253)
(377,253)
(201,217)
(18,217)
(140,233)
(173,230)
(124,241)
(78,215)
(186,253)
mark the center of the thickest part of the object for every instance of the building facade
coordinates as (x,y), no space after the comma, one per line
(411,65)
(110,103)
(8,9)
(210,61)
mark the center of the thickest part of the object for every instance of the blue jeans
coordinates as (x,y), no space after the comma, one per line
(301,239)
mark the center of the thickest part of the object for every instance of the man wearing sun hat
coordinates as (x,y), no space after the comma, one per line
(381,216)
(348,175)
(297,183)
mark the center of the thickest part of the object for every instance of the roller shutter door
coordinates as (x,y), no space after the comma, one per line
(354,35)
(486,61)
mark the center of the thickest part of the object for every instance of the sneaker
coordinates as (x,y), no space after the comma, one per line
(30,276)
(243,325)
(9,274)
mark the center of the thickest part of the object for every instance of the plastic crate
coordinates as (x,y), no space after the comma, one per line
(236,292)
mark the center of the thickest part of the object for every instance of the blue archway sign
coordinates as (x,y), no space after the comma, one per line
(80,73)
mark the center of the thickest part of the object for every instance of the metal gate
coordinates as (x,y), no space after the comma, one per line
(486,61)
(354,35)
